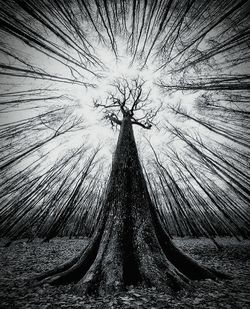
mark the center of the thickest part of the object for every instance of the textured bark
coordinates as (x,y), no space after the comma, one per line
(129,247)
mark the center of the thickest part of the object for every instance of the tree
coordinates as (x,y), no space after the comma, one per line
(130,245)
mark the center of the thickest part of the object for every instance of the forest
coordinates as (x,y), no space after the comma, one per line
(124,171)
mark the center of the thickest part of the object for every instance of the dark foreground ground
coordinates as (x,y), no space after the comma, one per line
(22,260)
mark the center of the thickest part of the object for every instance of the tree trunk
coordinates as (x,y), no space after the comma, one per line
(130,246)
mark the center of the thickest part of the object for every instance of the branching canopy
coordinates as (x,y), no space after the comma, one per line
(129,99)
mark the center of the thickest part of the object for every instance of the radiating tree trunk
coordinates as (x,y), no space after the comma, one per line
(129,247)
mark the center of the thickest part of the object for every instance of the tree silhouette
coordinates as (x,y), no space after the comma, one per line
(130,245)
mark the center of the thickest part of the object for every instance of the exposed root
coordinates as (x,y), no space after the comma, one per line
(130,246)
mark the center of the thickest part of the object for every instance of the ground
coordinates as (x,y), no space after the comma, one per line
(22,260)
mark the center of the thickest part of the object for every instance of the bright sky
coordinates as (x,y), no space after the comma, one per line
(97,131)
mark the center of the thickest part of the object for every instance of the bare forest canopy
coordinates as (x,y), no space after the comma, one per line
(58,65)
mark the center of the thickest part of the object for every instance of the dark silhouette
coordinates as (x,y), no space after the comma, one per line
(130,245)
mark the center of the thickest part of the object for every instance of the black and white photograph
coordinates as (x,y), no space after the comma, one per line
(124,161)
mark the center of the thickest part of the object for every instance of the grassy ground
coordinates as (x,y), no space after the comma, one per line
(22,260)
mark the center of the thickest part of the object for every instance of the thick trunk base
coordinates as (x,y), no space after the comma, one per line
(116,259)
(129,247)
